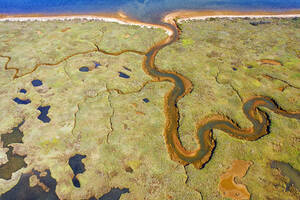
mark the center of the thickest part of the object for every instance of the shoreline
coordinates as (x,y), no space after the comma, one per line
(181,15)
(118,17)
(184,15)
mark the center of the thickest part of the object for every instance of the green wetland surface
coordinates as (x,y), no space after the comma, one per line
(217,73)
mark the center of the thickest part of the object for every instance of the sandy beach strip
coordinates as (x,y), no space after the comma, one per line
(119,17)
(184,15)
(181,15)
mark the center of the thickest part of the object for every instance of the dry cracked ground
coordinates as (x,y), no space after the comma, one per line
(78,92)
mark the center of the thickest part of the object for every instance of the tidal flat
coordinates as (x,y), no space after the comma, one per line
(104,106)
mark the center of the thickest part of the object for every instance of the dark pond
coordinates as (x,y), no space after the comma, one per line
(20,101)
(78,167)
(146,100)
(15,162)
(84,69)
(97,64)
(23,191)
(23,91)
(123,75)
(76,182)
(44,112)
(36,82)
(113,194)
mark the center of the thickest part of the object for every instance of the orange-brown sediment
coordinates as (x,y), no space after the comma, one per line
(228,187)
(270,62)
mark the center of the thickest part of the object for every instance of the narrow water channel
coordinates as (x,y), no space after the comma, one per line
(206,144)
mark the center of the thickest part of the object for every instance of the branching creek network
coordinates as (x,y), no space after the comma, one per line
(182,86)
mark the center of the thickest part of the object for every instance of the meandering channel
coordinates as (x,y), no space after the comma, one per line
(181,87)
(206,143)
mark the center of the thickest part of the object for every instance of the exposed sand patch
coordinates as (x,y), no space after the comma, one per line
(228,186)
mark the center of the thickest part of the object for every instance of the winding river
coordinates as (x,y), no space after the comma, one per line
(206,143)
(181,87)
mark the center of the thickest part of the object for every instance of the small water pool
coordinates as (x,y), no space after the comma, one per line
(36,83)
(23,91)
(78,167)
(84,69)
(75,182)
(146,100)
(20,101)
(44,112)
(123,75)
(97,64)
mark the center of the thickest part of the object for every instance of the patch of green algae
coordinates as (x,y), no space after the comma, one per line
(95,113)
(221,45)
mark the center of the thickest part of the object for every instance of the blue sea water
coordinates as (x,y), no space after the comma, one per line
(145,10)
